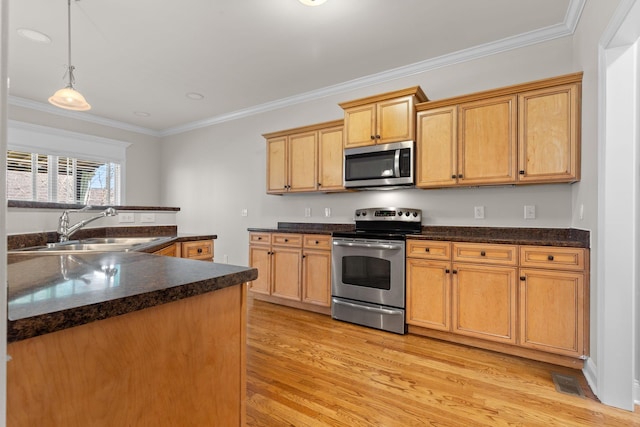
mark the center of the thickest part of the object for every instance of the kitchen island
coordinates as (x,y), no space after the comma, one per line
(125,338)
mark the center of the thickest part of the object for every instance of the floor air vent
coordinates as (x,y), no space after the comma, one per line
(567,384)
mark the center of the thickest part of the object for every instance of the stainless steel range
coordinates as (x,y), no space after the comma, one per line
(368,268)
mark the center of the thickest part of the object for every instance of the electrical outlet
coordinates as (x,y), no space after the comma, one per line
(147,217)
(327,212)
(126,217)
(244,212)
(307,212)
(478,212)
(529,212)
(225,259)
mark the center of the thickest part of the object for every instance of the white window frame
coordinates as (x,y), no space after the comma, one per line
(40,139)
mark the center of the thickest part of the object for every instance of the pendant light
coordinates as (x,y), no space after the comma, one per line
(312,2)
(67,97)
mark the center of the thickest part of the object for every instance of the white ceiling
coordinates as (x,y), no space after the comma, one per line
(242,55)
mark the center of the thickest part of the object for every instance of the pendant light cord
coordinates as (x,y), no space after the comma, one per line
(70,67)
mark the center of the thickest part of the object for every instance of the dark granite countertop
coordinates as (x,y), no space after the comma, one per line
(565,237)
(47,293)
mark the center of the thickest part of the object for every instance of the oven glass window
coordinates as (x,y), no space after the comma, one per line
(366,271)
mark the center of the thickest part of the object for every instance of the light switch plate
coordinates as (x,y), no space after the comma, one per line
(147,217)
(529,212)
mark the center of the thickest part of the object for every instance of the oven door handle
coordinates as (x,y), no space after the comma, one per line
(367,245)
(367,308)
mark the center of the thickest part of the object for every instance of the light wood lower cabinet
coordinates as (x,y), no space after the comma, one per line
(197,249)
(531,301)
(293,269)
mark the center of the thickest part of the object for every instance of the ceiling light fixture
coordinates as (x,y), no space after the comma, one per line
(34,35)
(312,2)
(195,96)
(67,97)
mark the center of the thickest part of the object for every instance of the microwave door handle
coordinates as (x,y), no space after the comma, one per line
(367,245)
(396,164)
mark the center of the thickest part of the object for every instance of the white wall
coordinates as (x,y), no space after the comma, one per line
(215,172)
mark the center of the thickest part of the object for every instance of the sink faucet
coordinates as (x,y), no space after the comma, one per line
(65,230)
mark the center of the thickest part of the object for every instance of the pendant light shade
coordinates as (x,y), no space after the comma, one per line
(67,97)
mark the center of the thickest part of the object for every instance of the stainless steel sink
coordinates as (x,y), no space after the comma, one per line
(97,244)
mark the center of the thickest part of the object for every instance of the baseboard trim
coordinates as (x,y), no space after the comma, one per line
(590,374)
(636,392)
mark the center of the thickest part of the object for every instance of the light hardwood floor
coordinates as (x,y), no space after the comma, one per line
(305,369)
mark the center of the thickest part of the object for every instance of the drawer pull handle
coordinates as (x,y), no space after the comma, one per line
(550,257)
(199,250)
(483,253)
(523,278)
(259,238)
(426,249)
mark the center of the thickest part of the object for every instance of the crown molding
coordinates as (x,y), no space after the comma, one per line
(566,28)
(86,117)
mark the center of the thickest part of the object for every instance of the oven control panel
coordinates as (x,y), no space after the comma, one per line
(389,214)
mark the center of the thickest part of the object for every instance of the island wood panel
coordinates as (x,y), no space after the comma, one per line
(180,363)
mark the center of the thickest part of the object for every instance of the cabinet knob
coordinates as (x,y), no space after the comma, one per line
(454,176)
(447,271)
(304,256)
(259,238)
(286,240)
(483,253)
(317,243)
(550,257)
(522,278)
(373,137)
(521,172)
(199,250)
(459,175)
(454,271)
(427,249)
(319,184)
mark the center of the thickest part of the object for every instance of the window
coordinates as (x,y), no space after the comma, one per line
(53,165)
(62,179)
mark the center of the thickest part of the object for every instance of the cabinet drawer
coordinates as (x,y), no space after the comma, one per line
(317,241)
(485,253)
(553,257)
(201,249)
(259,238)
(287,239)
(429,249)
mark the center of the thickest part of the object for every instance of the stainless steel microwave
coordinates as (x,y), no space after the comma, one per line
(379,165)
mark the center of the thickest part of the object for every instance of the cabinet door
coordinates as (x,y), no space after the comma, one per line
(303,160)
(395,120)
(286,272)
(436,147)
(552,311)
(549,139)
(360,126)
(316,278)
(487,141)
(429,294)
(484,302)
(277,165)
(330,159)
(201,249)
(260,258)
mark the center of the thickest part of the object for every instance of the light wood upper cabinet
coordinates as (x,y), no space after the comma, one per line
(303,171)
(277,165)
(305,159)
(487,141)
(381,119)
(523,134)
(549,134)
(330,159)
(437,147)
